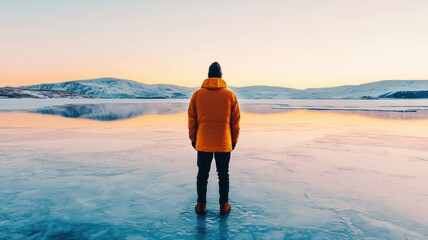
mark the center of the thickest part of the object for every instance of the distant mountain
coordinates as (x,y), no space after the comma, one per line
(116,88)
(10,92)
(120,88)
(374,90)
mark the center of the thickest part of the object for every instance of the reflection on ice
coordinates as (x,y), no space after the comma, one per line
(118,111)
(111,111)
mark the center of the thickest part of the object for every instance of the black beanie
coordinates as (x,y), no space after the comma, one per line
(214,70)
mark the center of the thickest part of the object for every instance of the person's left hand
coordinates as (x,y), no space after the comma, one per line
(233,146)
(194,145)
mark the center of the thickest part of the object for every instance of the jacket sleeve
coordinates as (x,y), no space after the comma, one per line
(235,117)
(192,118)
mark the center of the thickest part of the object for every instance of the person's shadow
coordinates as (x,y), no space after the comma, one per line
(201,227)
(223,228)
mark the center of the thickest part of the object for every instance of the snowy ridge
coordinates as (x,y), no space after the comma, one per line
(381,89)
(116,88)
(10,92)
(119,88)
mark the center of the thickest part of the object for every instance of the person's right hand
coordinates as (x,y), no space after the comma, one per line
(233,146)
(194,145)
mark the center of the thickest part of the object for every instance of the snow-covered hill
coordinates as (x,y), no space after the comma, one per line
(381,89)
(374,90)
(10,92)
(117,88)
(120,88)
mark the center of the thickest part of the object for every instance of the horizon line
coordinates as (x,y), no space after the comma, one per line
(97,78)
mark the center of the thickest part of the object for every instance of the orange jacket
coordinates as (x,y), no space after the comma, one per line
(214,117)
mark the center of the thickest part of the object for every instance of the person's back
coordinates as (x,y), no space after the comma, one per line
(213,129)
(214,106)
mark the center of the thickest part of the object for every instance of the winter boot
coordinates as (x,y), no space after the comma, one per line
(201,208)
(225,208)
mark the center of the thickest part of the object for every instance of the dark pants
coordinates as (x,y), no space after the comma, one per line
(204,164)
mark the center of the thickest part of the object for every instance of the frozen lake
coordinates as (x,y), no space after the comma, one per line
(125,169)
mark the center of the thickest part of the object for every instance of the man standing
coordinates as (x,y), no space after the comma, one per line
(213,129)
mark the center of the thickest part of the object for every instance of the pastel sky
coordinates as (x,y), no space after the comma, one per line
(299,44)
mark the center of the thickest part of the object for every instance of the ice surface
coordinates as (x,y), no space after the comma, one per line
(295,174)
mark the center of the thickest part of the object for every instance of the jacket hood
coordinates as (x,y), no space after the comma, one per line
(214,83)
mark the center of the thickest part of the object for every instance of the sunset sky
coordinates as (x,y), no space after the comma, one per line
(297,44)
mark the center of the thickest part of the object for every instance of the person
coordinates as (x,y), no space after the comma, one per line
(213,122)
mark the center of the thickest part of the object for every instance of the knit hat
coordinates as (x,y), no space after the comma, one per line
(214,70)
